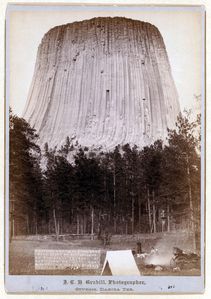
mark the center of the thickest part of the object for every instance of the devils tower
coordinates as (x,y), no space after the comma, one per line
(102,82)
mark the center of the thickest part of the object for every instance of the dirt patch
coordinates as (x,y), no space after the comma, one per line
(21,256)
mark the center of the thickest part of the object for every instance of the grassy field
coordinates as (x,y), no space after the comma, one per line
(21,257)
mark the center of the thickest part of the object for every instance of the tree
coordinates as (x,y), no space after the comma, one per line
(25,177)
(89,186)
(153,189)
(183,146)
(57,189)
(152,178)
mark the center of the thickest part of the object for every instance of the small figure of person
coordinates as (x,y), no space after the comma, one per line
(106,238)
(139,248)
(154,251)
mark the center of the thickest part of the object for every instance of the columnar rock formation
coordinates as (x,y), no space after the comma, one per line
(102,82)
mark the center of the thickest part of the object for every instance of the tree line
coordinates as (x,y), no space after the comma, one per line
(125,191)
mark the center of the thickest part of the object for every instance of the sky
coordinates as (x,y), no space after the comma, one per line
(181,29)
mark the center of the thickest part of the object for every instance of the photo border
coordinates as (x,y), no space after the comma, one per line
(151,284)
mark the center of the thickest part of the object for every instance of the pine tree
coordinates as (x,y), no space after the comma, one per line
(25,177)
(183,147)
(152,177)
(57,190)
(89,186)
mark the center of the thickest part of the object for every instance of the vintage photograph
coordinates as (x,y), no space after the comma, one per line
(105,141)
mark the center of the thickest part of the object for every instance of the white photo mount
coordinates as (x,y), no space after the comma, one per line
(125,276)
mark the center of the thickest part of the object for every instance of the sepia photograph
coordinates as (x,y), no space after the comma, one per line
(105,148)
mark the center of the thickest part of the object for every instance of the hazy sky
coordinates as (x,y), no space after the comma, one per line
(181,30)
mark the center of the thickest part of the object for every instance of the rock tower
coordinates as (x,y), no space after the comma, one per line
(102,82)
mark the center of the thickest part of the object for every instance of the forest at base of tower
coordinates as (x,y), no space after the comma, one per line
(125,191)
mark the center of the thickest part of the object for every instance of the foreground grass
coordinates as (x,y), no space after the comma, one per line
(21,257)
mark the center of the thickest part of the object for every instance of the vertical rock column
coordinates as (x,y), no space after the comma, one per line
(102,82)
